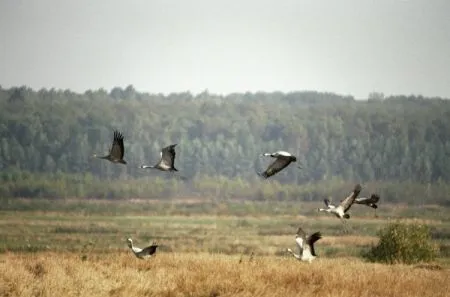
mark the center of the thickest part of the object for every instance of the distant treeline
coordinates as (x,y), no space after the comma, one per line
(394,144)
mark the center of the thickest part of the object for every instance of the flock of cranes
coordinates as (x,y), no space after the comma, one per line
(167,158)
(304,243)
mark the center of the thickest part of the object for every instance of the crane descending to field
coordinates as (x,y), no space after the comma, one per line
(305,245)
(283,159)
(369,201)
(142,253)
(117,150)
(340,211)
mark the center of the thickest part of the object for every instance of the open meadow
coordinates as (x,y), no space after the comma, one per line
(231,248)
(199,274)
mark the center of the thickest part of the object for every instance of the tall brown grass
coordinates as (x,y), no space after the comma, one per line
(183,274)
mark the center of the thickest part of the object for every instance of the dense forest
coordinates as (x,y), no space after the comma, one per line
(397,145)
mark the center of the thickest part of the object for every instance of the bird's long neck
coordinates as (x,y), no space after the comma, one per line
(148,166)
(326,209)
(99,157)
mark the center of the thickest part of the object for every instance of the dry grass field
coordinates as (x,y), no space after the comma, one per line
(78,248)
(198,274)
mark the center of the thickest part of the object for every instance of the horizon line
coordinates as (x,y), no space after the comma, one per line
(222,94)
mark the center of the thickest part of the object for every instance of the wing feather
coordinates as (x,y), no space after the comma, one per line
(368,200)
(328,203)
(279,164)
(300,239)
(301,233)
(168,155)
(299,242)
(117,148)
(311,240)
(347,202)
(150,250)
(374,198)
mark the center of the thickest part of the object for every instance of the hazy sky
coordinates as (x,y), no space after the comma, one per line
(345,46)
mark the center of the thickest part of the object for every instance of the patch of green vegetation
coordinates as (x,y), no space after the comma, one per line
(403,243)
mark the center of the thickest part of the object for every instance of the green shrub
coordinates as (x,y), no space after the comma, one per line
(403,243)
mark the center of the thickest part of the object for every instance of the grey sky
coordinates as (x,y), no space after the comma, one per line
(344,46)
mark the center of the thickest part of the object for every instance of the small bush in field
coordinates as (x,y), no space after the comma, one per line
(403,243)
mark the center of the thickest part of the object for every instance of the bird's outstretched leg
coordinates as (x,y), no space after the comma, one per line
(181,177)
(348,227)
(178,176)
(344,225)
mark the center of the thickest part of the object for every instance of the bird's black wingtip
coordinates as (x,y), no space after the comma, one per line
(262,175)
(318,235)
(118,135)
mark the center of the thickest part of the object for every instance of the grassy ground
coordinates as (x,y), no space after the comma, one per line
(194,226)
(186,274)
(78,248)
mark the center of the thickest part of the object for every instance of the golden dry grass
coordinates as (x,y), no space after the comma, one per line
(349,240)
(183,274)
(188,263)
